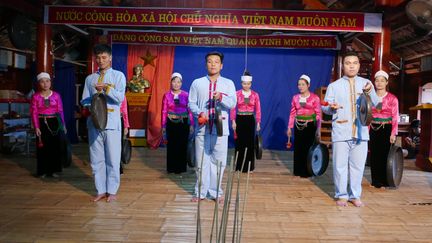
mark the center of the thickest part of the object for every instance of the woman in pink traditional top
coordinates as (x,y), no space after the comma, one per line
(48,121)
(177,124)
(125,125)
(383,130)
(246,119)
(305,116)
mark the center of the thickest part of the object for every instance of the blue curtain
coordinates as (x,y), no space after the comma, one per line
(64,84)
(119,60)
(275,74)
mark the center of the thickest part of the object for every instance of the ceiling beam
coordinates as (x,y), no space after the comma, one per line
(412,42)
(423,54)
(363,44)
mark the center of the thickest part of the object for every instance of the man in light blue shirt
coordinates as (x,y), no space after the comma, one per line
(211,149)
(105,144)
(349,137)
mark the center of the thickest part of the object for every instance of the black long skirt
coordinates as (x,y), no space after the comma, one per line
(177,135)
(48,156)
(245,139)
(379,149)
(303,140)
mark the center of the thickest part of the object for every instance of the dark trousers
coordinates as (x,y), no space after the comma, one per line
(245,139)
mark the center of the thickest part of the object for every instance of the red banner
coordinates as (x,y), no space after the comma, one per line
(201,39)
(221,18)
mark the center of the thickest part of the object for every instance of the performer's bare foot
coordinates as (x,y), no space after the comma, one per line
(357,202)
(99,197)
(111,198)
(196,199)
(341,202)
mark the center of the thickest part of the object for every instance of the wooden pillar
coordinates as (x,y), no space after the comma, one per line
(44,57)
(382,41)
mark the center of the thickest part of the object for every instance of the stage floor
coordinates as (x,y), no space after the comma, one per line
(155,207)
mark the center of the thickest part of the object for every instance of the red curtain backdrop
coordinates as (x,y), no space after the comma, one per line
(159,76)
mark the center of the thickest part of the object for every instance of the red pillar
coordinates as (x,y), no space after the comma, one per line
(382,41)
(91,67)
(44,57)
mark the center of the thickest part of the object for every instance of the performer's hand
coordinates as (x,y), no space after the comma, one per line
(100,86)
(289,133)
(258,127)
(335,106)
(202,119)
(234,125)
(392,139)
(85,112)
(38,132)
(216,95)
(125,131)
(367,88)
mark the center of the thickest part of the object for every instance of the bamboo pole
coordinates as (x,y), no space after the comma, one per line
(227,202)
(237,202)
(244,203)
(216,208)
(198,226)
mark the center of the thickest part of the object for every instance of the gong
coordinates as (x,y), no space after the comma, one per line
(218,120)
(99,111)
(394,166)
(365,109)
(126,152)
(258,146)
(317,159)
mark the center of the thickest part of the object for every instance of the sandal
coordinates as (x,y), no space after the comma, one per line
(341,202)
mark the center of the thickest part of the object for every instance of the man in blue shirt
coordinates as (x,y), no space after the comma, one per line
(349,137)
(203,94)
(105,144)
